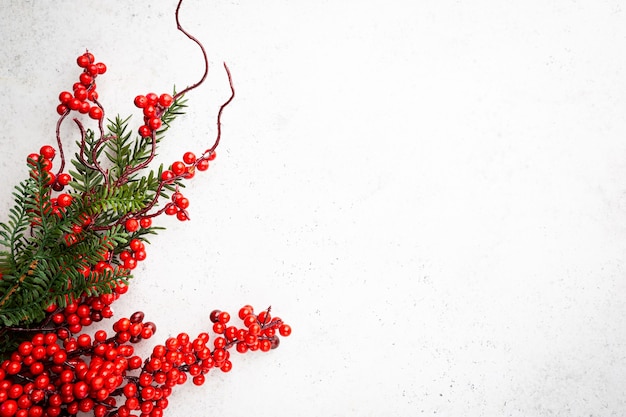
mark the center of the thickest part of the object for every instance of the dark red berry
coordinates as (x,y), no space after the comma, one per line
(214,316)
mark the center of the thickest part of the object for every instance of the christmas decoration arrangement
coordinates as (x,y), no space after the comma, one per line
(77,229)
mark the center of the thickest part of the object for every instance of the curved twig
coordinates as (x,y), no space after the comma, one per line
(59,142)
(81,155)
(94,152)
(204,55)
(131,170)
(219,113)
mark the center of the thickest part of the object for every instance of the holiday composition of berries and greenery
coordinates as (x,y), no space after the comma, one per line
(77,229)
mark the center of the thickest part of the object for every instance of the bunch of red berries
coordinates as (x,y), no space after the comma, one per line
(83,312)
(57,373)
(84,99)
(153,107)
(40,164)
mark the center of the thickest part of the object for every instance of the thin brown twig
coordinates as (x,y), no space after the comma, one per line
(204,55)
(219,113)
(128,171)
(81,155)
(60,142)
(94,152)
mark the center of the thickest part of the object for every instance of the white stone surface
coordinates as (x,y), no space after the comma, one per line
(431,192)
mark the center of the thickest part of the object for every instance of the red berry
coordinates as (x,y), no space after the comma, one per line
(32,159)
(265,345)
(62,109)
(136,245)
(74,104)
(189,158)
(64,179)
(182,202)
(13,367)
(101,68)
(81,390)
(8,408)
(130,263)
(149,110)
(264,317)
(46,164)
(145,131)
(59,357)
(242,347)
(131,225)
(120,288)
(167,176)
(284,330)
(145,222)
(202,165)
(178,168)
(152,98)
(182,216)
(64,200)
(141,101)
(84,107)
(254,329)
(85,79)
(47,152)
(245,311)
(65,97)
(92,69)
(25,348)
(223,317)
(165,100)
(84,341)
(96,113)
(227,366)
(198,379)
(154,123)
(83,61)
(80,93)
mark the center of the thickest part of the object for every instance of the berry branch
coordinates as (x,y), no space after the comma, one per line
(67,252)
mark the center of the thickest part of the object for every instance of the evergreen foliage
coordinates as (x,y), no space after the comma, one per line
(49,254)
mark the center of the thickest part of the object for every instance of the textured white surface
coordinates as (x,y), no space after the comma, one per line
(430,192)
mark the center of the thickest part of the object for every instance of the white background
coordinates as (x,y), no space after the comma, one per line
(432,193)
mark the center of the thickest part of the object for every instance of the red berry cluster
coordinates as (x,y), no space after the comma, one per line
(55,373)
(153,107)
(259,332)
(83,312)
(40,164)
(84,90)
(178,206)
(137,253)
(187,167)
